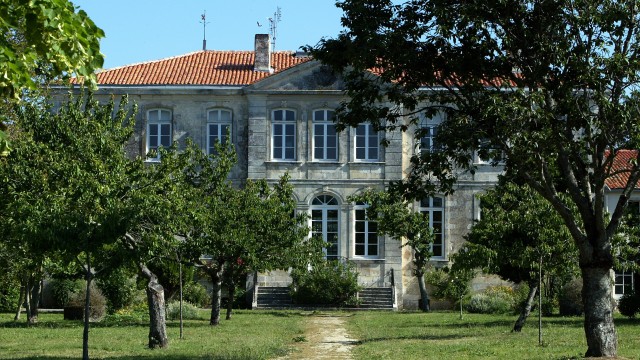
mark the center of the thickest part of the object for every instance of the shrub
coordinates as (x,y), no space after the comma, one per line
(119,288)
(97,302)
(570,301)
(629,304)
(63,289)
(331,283)
(9,295)
(493,300)
(189,311)
(196,294)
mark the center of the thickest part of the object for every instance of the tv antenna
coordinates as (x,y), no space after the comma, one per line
(273,26)
(204,23)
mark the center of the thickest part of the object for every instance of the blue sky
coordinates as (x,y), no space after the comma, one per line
(142,30)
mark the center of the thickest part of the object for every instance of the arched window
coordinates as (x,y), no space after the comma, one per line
(218,126)
(365,233)
(325,138)
(158,132)
(433,207)
(283,135)
(325,218)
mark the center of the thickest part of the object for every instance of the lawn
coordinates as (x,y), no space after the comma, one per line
(249,335)
(442,335)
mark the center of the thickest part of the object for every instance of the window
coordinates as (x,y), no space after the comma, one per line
(433,207)
(623,283)
(428,129)
(324,223)
(367,143)
(284,135)
(218,126)
(325,138)
(158,132)
(487,155)
(366,233)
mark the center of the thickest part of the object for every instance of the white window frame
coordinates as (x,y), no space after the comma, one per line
(283,129)
(324,119)
(623,280)
(324,206)
(365,137)
(480,161)
(218,125)
(432,207)
(430,126)
(366,229)
(158,122)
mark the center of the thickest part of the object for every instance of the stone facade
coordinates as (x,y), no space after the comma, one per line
(304,89)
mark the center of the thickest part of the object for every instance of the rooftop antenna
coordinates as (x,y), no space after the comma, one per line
(273,26)
(204,23)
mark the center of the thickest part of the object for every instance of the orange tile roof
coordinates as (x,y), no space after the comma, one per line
(206,67)
(621,162)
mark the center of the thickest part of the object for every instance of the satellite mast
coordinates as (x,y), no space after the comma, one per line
(273,26)
(204,23)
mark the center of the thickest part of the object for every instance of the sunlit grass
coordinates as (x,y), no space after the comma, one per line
(442,335)
(249,335)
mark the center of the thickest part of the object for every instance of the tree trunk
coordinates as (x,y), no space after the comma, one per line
(216,280)
(526,309)
(157,316)
(424,297)
(27,298)
(20,301)
(232,293)
(35,299)
(87,313)
(602,340)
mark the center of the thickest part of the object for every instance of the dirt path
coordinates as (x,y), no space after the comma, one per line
(325,338)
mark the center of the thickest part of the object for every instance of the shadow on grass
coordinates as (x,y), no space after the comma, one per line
(413,337)
(156,355)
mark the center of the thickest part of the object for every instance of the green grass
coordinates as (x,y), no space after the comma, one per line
(249,335)
(441,335)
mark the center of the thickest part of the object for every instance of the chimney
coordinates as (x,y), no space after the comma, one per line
(262,53)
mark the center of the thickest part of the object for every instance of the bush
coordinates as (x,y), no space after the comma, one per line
(97,302)
(63,289)
(9,296)
(629,304)
(570,301)
(330,283)
(493,300)
(196,294)
(119,288)
(189,311)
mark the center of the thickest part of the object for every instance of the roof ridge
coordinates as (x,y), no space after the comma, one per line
(189,54)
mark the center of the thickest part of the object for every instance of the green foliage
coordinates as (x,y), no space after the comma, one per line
(63,289)
(189,311)
(450,285)
(570,301)
(629,304)
(493,300)
(9,295)
(196,294)
(97,302)
(119,288)
(330,283)
(46,36)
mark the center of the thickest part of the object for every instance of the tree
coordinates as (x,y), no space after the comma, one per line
(236,231)
(518,228)
(548,87)
(394,217)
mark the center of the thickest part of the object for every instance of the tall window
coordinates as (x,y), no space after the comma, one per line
(366,233)
(324,223)
(158,132)
(218,126)
(367,143)
(428,129)
(433,207)
(283,135)
(325,138)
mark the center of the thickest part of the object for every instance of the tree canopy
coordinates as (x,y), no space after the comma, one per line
(547,88)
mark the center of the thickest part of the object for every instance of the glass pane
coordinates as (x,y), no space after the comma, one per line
(373,249)
(225,116)
(360,153)
(361,130)
(153,129)
(290,115)
(373,153)
(153,116)
(437,202)
(437,216)
(290,129)
(332,214)
(332,227)
(213,116)
(277,152)
(277,115)
(331,115)
(153,141)
(331,140)
(165,115)
(360,238)
(332,154)
(360,214)
(289,154)
(318,152)
(360,227)
(277,129)
(289,141)
(360,249)
(318,130)
(316,214)
(318,115)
